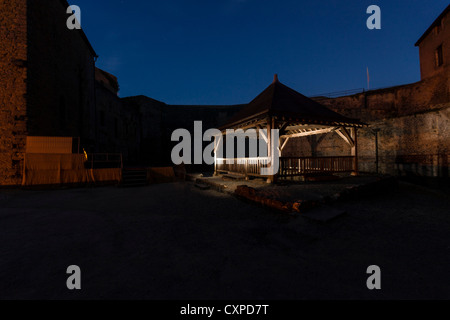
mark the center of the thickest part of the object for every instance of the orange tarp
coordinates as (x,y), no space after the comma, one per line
(49,145)
(100,175)
(44,169)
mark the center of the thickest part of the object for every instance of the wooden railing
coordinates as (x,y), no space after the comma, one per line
(289,166)
(246,166)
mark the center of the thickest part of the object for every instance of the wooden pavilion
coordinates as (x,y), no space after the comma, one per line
(294,115)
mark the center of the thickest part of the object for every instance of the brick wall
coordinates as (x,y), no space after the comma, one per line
(394,101)
(13,88)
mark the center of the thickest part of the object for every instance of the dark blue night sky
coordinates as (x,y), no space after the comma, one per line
(226,51)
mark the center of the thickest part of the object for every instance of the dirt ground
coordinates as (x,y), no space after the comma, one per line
(293,191)
(173,241)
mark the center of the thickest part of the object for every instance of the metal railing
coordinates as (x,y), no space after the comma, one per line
(337,94)
(104,160)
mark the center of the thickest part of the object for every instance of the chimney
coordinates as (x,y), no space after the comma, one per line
(275,78)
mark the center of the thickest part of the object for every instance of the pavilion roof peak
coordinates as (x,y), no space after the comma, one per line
(275,78)
(279,100)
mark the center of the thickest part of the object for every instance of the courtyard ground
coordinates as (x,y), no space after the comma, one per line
(174,241)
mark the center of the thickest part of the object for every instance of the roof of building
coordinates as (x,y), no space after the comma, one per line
(434,24)
(205,106)
(281,101)
(108,80)
(82,34)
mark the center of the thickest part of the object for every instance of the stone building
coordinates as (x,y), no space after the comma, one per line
(50,87)
(408,125)
(47,80)
(434,46)
(117,126)
(159,120)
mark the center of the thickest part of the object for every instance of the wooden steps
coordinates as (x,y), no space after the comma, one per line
(134,178)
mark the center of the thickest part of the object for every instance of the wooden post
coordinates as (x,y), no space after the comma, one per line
(354,134)
(275,176)
(269,145)
(217,142)
(215,156)
(376,150)
(246,169)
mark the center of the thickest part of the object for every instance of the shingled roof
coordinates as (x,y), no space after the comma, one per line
(281,101)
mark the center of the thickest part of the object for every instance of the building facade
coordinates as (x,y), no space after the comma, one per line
(434,46)
(47,76)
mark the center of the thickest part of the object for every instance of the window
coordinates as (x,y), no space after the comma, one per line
(437,29)
(439,26)
(439,56)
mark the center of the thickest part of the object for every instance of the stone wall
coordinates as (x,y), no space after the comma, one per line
(398,101)
(13,80)
(410,121)
(417,144)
